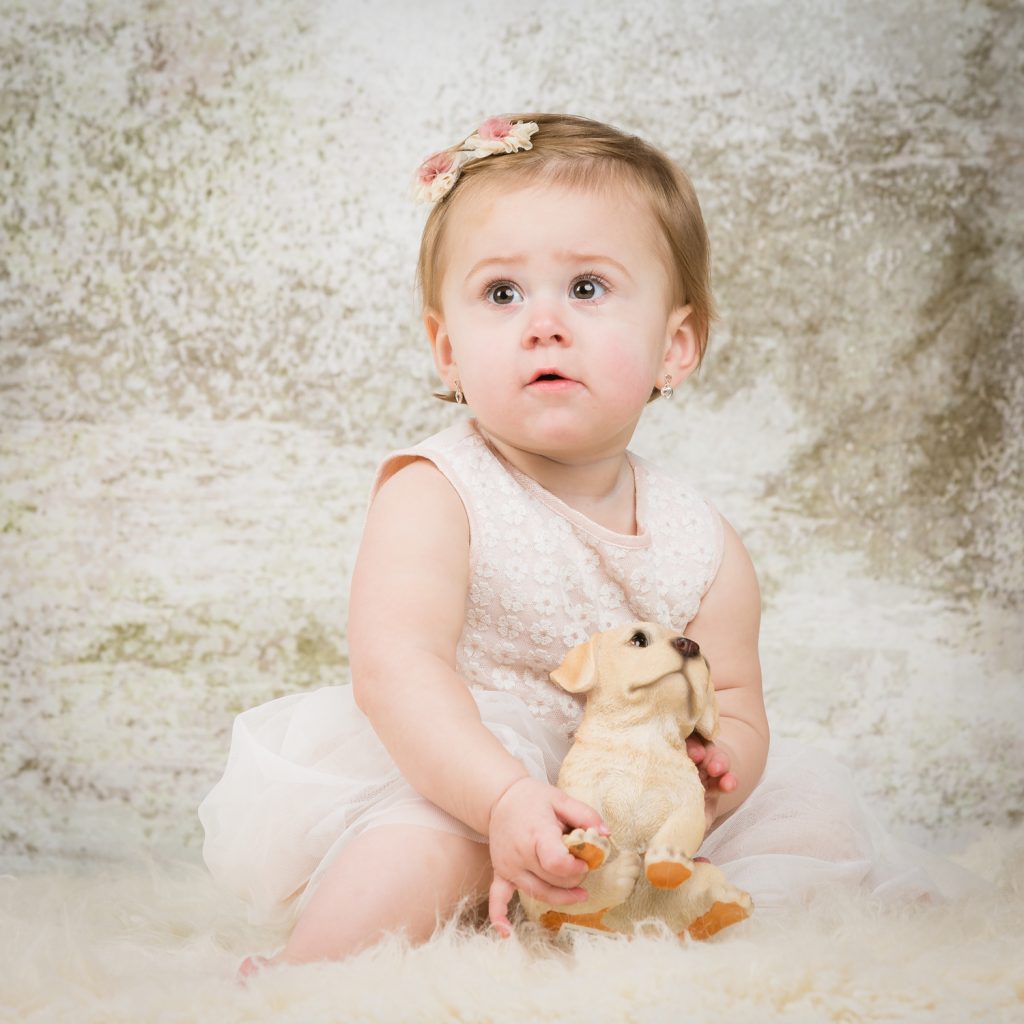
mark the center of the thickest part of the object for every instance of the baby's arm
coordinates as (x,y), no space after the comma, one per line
(406,612)
(726,627)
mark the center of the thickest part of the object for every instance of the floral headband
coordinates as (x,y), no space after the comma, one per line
(437,175)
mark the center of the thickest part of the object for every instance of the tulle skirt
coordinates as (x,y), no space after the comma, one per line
(306,774)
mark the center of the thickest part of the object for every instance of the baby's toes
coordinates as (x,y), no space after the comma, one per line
(252,965)
(667,867)
(589,845)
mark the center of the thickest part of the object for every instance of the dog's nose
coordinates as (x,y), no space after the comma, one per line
(686,647)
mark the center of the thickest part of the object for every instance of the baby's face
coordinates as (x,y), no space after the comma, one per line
(556,315)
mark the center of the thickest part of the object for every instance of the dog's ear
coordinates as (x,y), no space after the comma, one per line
(705,706)
(578,672)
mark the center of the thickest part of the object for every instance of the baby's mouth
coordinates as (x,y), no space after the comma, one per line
(549,375)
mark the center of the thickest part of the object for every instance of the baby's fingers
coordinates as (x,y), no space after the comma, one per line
(576,814)
(502,890)
(719,776)
(551,894)
(498,900)
(557,864)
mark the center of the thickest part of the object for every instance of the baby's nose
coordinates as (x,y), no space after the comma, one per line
(686,647)
(545,327)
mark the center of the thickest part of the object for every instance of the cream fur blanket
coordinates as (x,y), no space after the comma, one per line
(159,943)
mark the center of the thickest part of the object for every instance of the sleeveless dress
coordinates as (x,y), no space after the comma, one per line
(306,773)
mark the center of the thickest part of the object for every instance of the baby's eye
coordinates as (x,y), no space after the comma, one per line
(588,287)
(503,293)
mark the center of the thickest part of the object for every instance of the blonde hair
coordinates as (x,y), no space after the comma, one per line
(579,152)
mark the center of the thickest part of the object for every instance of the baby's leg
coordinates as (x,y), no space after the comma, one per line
(390,878)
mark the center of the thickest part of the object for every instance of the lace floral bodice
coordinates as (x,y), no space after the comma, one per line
(544,577)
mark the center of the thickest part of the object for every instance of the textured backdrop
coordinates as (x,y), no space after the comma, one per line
(209,335)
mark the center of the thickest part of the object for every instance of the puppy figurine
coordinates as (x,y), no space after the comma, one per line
(647,689)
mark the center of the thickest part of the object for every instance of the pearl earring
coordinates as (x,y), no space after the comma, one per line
(666,390)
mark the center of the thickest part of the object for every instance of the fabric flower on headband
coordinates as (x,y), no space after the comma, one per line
(438,173)
(497,135)
(436,176)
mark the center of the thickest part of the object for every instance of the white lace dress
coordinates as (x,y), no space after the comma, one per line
(306,773)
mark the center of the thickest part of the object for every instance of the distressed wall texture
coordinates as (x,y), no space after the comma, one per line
(209,336)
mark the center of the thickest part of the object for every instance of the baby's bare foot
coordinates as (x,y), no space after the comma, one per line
(252,965)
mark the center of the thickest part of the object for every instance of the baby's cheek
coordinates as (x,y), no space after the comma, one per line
(631,376)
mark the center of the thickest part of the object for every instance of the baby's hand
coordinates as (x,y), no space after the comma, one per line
(527,852)
(712,763)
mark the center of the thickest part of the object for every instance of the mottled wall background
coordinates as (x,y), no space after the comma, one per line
(209,335)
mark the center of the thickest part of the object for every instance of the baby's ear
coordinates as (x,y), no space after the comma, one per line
(578,673)
(682,351)
(440,343)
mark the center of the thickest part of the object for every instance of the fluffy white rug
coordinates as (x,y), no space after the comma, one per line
(162,944)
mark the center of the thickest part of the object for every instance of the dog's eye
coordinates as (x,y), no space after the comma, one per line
(639,639)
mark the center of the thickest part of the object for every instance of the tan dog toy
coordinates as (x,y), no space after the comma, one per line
(647,690)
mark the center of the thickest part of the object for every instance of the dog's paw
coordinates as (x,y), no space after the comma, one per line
(666,867)
(721,915)
(589,845)
(620,875)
